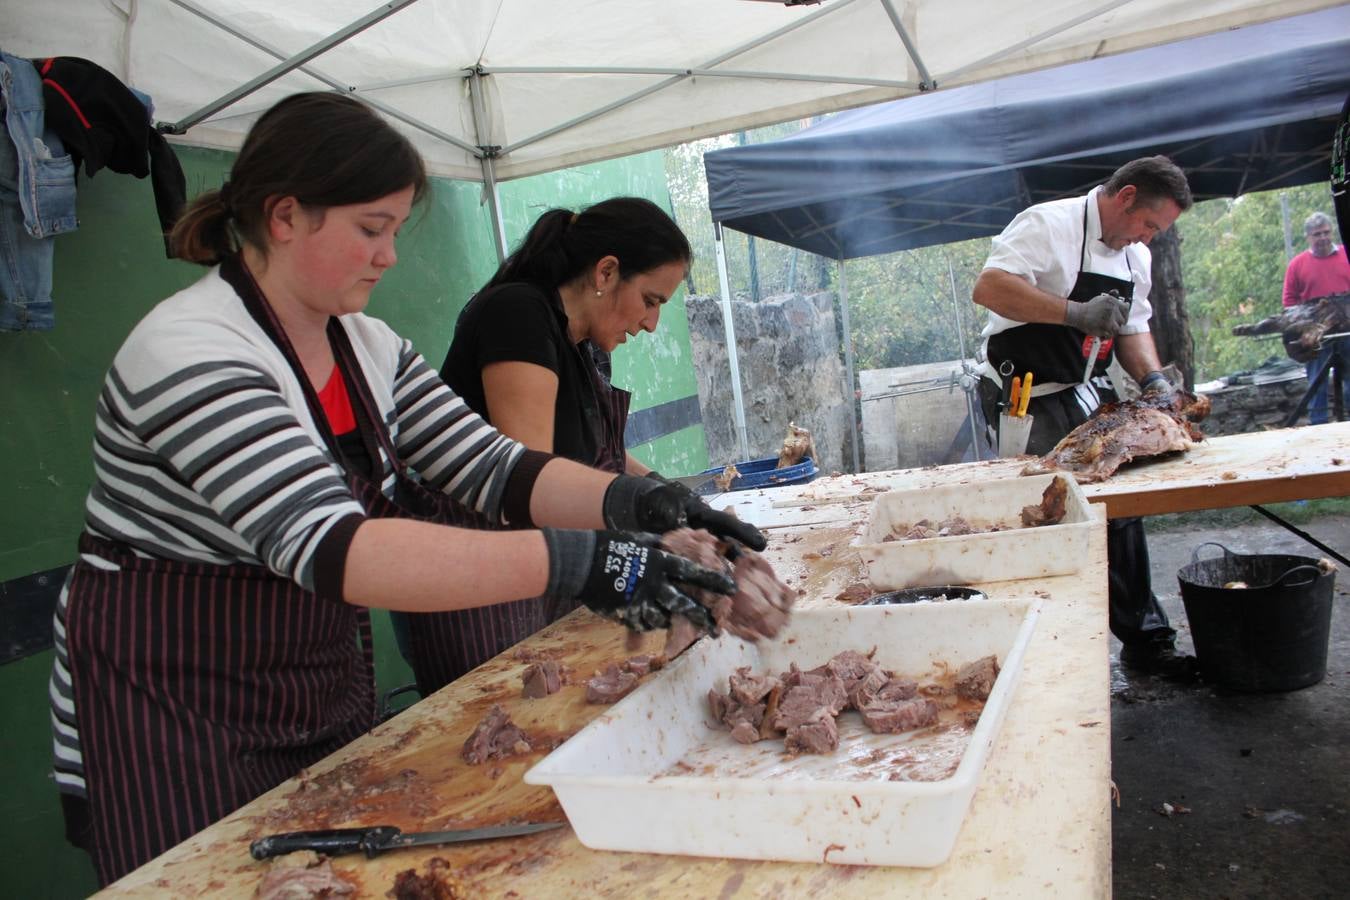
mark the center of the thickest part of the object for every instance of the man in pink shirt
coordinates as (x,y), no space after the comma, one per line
(1319,271)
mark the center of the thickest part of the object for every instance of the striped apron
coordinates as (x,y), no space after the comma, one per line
(200,686)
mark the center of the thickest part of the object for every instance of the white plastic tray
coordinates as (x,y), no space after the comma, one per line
(650,775)
(968,559)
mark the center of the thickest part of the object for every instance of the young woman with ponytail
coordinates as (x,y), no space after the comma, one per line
(269,462)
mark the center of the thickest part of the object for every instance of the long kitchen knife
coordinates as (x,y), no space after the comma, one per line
(375,840)
(699,484)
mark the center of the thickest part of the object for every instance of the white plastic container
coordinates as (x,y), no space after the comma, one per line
(651,775)
(1018,552)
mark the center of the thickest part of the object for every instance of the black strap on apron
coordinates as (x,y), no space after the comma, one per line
(610,413)
(1058,353)
(443,645)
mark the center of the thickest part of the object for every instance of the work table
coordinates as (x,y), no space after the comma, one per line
(1230,470)
(1039,823)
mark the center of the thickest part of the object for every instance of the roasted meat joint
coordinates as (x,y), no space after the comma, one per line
(1119,432)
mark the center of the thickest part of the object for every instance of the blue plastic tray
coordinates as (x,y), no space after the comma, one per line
(763,473)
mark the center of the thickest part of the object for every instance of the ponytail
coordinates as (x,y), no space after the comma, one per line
(542,257)
(202,233)
(561,246)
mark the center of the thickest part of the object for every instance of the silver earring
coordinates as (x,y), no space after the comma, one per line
(599,293)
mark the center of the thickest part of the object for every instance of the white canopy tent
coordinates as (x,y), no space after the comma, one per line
(498,89)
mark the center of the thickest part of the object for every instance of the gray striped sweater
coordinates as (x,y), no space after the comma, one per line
(205,451)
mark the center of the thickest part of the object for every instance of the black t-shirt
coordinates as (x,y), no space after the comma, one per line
(519,322)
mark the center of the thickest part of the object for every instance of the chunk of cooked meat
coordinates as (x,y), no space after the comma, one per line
(541,679)
(748,688)
(1119,432)
(1051,509)
(796,446)
(496,737)
(975,679)
(302,876)
(894,716)
(611,685)
(761,605)
(818,734)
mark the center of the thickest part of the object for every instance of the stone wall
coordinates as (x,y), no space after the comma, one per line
(791,371)
(1238,409)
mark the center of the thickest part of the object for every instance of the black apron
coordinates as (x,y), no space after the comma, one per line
(199,687)
(1057,354)
(443,646)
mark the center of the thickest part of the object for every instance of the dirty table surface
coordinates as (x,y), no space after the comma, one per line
(1230,470)
(1039,822)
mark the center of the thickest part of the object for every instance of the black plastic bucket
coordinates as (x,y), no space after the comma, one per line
(1269,636)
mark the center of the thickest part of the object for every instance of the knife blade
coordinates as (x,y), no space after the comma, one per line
(376,839)
(696,483)
(1093,350)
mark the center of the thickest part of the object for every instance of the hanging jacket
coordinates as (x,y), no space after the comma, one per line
(37,199)
(104,123)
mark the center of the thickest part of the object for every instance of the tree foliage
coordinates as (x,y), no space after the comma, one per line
(1233,260)
(905,307)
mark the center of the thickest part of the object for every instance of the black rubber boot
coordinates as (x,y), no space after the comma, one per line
(1159,658)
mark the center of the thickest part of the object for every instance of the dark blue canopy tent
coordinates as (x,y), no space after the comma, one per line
(1245,110)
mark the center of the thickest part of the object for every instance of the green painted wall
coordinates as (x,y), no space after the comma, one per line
(107,275)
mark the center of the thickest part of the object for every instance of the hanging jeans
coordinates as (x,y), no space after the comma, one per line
(37,200)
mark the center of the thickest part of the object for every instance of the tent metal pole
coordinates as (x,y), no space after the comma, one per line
(489,152)
(850,393)
(967,386)
(926,82)
(327,79)
(384,11)
(729,326)
(1037,38)
(687,72)
(716,61)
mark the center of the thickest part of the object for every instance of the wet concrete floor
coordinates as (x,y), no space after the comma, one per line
(1226,794)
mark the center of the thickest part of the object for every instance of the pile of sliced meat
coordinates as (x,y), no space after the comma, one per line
(1119,432)
(801,707)
(760,607)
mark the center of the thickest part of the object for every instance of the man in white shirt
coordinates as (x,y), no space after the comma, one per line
(1066,285)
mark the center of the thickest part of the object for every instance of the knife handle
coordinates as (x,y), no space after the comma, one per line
(332,842)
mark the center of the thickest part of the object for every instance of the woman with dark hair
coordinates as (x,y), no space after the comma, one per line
(269,462)
(524,351)
(530,354)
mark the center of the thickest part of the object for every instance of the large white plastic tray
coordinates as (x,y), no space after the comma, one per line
(968,559)
(650,775)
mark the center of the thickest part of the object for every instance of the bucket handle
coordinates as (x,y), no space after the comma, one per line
(1281,580)
(1195,554)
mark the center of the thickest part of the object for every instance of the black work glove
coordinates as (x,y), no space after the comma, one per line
(646,504)
(1157,385)
(625,577)
(1102,316)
